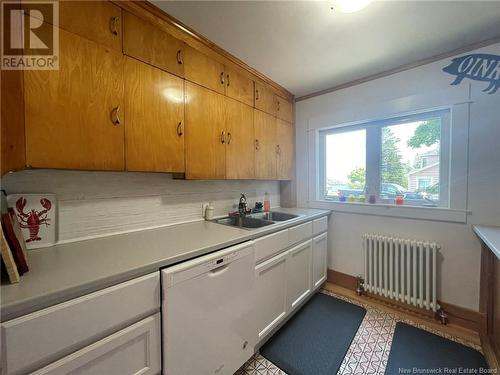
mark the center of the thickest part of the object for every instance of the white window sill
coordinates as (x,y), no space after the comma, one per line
(402,211)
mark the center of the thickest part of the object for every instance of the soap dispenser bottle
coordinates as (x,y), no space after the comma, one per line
(209,211)
(267,203)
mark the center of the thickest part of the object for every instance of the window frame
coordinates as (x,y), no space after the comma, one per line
(374,153)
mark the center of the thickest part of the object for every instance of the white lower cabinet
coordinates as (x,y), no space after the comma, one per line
(299,273)
(133,350)
(35,340)
(270,284)
(288,279)
(319,254)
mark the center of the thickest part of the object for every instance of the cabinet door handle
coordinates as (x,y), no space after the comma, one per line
(257,145)
(179,128)
(228,138)
(222,78)
(223,137)
(179,57)
(228,81)
(115,118)
(278,150)
(113,22)
(257,94)
(278,105)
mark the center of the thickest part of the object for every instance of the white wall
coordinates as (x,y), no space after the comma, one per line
(460,262)
(103,203)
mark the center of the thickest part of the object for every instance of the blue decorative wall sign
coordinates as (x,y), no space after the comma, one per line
(479,67)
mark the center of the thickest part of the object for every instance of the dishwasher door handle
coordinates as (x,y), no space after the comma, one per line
(219,270)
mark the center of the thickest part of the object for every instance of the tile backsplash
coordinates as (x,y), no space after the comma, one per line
(94,204)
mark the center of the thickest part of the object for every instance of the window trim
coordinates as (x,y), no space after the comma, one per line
(373,153)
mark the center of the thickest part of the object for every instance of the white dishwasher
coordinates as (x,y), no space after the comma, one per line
(208,321)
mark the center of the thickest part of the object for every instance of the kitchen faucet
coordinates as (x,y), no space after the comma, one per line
(242,205)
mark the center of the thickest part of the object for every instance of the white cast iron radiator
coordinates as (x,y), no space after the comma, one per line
(401,269)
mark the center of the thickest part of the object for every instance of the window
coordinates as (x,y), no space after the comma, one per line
(399,160)
(345,164)
(423,183)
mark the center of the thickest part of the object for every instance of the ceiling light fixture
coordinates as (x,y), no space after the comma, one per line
(350,6)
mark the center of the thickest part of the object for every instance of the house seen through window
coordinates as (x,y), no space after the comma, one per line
(395,161)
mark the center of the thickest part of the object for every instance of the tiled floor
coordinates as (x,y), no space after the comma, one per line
(369,349)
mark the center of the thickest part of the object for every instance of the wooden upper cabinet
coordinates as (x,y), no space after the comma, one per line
(205,134)
(74,115)
(239,86)
(284,109)
(152,45)
(13,154)
(265,99)
(285,140)
(240,159)
(203,70)
(99,21)
(265,146)
(154,109)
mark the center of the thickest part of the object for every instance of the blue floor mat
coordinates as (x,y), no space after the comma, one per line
(415,349)
(315,340)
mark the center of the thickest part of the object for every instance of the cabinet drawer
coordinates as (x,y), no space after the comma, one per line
(300,233)
(320,225)
(133,350)
(36,339)
(270,245)
(152,45)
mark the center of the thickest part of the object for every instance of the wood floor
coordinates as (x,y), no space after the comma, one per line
(370,347)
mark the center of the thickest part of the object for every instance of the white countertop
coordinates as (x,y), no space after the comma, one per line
(490,236)
(61,272)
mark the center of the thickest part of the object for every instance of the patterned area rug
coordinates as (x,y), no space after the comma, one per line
(369,350)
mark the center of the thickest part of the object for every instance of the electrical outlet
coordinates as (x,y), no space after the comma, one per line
(203,208)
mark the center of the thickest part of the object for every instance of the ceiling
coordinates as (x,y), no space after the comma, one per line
(306,47)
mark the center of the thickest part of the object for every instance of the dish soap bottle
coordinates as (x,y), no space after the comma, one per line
(209,211)
(267,203)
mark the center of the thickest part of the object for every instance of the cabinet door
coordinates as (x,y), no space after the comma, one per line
(265,99)
(99,21)
(284,109)
(74,117)
(240,158)
(319,260)
(152,45)
(12,118)
(271,301)
(133,350)
(154,109)
(239,87)
(265,146)
(205,71)
(285,140)
(299,274)
(205,134)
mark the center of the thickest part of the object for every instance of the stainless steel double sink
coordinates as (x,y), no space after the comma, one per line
(255,220)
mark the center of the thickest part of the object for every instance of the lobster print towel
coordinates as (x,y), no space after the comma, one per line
(36,214)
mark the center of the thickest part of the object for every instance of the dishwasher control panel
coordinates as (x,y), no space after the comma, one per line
(223,260)
(191,268)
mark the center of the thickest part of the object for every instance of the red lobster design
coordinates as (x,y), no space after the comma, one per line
(33,219)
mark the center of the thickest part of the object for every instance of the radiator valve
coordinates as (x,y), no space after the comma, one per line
(360,289)
(443,317)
